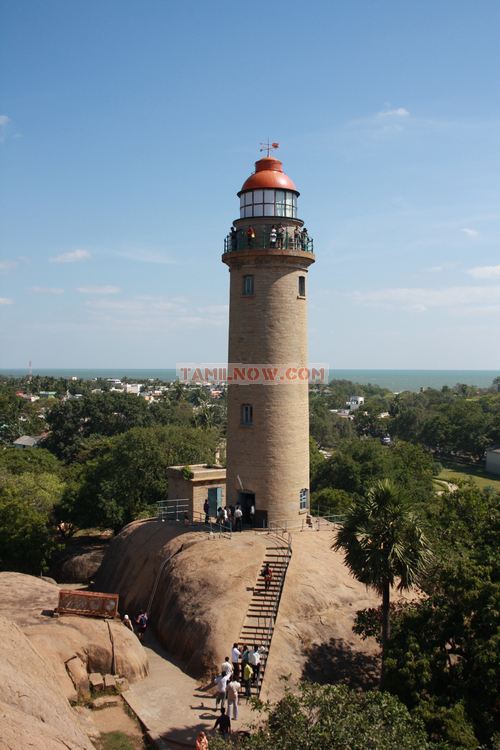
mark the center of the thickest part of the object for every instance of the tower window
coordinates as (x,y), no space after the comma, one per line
(302,286)
(246,414)
(303,499)
(268,203)
(248,286)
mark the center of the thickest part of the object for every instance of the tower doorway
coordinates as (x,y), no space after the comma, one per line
(245,501)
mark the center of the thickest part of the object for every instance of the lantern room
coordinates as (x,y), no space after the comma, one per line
(268,192)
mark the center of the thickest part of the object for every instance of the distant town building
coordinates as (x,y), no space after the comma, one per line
(28,397)
(134,388)
(355,402)
(493,460)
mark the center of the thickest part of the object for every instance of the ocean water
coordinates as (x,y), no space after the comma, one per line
(394,380)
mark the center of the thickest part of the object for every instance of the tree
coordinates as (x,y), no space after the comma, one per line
(33,460)
(334,717)
(26,527)
(71,422)
(316,458)
(382,541)
(330,502)
(125,475)
(444,650)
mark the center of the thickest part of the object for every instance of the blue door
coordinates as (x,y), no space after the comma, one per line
(214,500)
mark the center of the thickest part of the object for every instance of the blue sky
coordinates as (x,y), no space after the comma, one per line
(127,128)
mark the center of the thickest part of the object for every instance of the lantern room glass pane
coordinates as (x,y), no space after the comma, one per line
(280,209)
(258,209)
(269,196)
(289,198)
(248,198)
(258,196)
(280,196)
(269,209)
(242,201)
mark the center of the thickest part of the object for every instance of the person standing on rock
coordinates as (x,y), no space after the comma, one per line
(233,689)
(142,623)
(238,519)
(226,666)
(128,623)
(220,689)
(223,724)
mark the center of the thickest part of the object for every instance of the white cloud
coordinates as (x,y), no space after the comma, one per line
(6,265)
(46,290)
(470,232)
(6,301)
(72,256)
(443,267)
(99,289)
(152,313)
(485,272)
(146,256)
(478,298)
(398,112)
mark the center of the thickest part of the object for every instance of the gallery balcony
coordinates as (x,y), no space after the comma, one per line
(265,240)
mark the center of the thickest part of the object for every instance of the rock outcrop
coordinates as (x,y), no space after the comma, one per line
(203,589)
(82,566)
(34,712)
(104,646)
(202,592)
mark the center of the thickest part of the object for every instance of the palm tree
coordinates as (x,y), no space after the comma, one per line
(382,541)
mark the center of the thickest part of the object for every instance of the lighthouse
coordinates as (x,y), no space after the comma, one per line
(268,252)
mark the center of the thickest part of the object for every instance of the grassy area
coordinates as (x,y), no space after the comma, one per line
(452,471)
(117,741)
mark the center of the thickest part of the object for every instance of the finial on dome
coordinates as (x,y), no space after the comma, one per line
(269,146)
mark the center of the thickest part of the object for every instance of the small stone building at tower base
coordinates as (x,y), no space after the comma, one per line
(195,484)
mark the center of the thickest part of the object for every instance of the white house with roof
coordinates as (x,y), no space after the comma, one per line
(27,441)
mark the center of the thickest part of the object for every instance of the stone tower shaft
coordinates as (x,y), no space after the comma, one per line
(268,253)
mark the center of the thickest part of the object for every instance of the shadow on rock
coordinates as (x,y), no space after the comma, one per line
(335,661)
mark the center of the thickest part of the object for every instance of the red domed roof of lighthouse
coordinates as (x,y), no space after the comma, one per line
(268,174)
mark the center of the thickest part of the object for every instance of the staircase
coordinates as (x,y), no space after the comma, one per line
(260,619)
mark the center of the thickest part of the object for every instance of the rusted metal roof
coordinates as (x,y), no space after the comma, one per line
(87,603)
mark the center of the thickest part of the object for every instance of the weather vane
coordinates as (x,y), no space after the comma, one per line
(269,146)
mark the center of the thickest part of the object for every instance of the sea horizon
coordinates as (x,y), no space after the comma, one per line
(393,379)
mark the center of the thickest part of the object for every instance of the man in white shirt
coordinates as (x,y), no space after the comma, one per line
(220,689)
(235,660)
(254,661)
(238,519)
(226,666)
